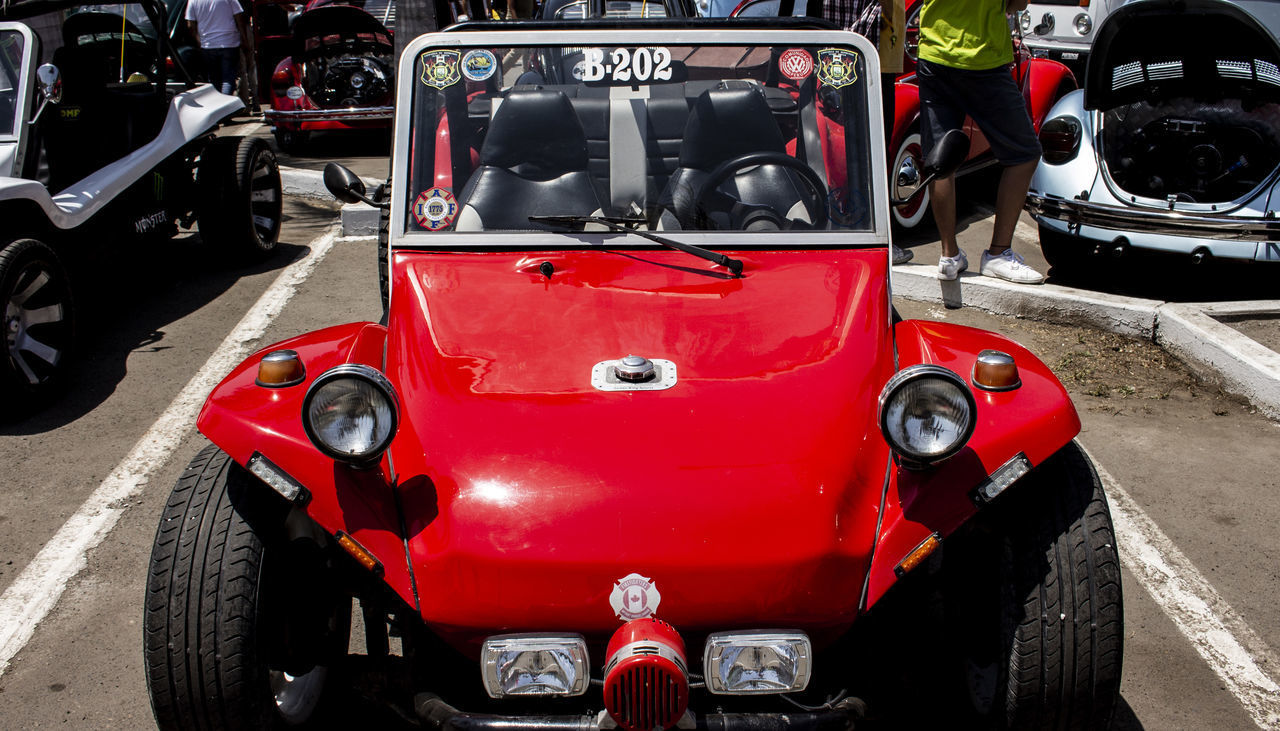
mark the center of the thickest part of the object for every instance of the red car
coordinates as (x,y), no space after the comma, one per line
(331,66)
(1043,82)
(641,442)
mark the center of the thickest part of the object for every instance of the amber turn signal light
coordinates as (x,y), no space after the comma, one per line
(996,371)
(359,553)
(918,555)
(280,368)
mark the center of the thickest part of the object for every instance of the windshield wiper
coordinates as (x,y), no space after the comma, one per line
(628,224)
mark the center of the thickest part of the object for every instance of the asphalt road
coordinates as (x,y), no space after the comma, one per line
(1198,464)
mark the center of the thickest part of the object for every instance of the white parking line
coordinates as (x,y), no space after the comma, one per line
(40,585)
(1230,647)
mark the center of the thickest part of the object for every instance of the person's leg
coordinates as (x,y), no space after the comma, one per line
(938,115)
(1010,196)
(230,70)
(1000,111)
(942,200)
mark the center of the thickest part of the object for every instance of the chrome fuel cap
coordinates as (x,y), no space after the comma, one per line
(634,368)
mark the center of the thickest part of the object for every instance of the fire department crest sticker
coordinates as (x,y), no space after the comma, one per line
(837,67)
(435,209)
(795,64)
(634,596)
(440,68)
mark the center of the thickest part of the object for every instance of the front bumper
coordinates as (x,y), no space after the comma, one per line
(840,717)
(1168,223)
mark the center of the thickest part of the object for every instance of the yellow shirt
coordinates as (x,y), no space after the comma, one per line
(965,34)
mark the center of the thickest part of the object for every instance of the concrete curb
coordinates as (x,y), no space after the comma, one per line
(1048,302)
(1193,333)
(1190,332)
(1214,350)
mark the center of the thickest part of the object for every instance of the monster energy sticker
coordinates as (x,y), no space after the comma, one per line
(837,67)
(440,68)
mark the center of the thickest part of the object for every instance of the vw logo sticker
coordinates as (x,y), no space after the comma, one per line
(795,64)
(634,596)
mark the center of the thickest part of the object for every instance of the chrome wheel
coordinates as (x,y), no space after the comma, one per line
(906,171)
(297,695)
(37,312)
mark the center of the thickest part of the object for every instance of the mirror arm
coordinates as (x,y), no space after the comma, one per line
(924,185)
(43,103)
(366,199)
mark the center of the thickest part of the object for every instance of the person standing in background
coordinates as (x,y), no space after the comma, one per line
(248,61)
(886,31)
(966,52)
(220,27)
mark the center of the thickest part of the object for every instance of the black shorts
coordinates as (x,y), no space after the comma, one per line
(990,97)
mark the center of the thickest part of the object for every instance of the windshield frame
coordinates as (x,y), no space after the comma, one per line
(25,72)
(878,235)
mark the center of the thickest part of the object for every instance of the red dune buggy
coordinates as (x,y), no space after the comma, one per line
(641,442)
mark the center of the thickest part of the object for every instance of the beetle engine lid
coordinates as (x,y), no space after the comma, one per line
(1203,49)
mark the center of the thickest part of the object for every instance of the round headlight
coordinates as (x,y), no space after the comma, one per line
(1084,24)
(1024,20)
(351,413)
(927,414)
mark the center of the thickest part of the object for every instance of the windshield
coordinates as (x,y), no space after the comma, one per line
(11,50)
(746,137)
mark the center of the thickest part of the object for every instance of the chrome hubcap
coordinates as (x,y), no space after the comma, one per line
(27,344)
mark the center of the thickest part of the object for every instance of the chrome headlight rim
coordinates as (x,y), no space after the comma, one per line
(1083,24)
(357,371)
(920,372)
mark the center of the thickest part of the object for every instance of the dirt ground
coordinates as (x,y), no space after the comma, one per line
(1264,329)
(1103,371)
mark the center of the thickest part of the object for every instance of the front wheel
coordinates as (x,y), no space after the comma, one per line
(242,627)
(908,170)
(241,196)
(1034,603)
(38,324)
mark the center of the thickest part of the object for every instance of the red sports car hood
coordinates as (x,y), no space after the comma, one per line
(744,495)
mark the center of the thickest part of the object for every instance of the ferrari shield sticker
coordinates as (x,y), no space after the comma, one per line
(440,68)
(479,65)
(435,209)
(795,64)
(837,67)
(634,596)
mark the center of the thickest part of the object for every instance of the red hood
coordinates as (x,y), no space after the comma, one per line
(747,492)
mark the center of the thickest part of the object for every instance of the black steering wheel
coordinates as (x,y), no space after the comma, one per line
(726,169)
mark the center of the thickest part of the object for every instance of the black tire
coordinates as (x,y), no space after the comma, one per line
(1034,603)
(231,607)
(291,141)
(39,319)
(241,196)
(1064,252)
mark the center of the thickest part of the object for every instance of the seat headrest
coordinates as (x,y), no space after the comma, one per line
(536,134)
(727,123)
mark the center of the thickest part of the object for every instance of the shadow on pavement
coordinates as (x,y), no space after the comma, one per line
(127,295)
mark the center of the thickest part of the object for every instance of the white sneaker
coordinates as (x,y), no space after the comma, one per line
(901,255)
(1009,266)
(949,267)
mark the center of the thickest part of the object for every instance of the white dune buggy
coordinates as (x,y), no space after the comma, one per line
(98,144)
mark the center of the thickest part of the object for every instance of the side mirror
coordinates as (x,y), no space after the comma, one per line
(49,79)
(946,157)
(345,185)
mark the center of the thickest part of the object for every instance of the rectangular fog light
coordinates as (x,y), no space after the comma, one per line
(537,664)
(757,662)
